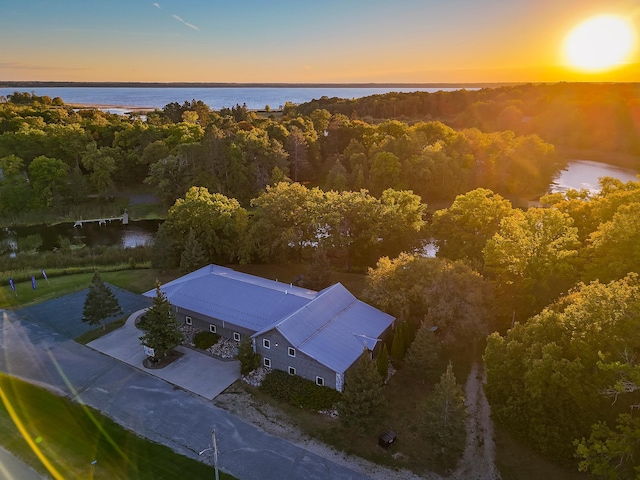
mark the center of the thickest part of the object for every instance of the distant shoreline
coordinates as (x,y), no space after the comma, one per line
(25,84)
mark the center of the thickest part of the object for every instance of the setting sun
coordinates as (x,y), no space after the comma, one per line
(599,43)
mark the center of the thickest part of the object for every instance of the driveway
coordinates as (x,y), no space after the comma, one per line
(153,408)
(195,371)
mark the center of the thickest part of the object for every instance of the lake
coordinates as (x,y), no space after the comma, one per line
(256,98)
(91,234)
(580,174)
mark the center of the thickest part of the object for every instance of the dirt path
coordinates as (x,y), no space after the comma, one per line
(478,461)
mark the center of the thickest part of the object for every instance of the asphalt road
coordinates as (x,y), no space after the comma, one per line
(152,407)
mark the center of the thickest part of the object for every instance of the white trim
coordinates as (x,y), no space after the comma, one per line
(236,336)
(266,343)
(320,381)
(213,328)
(292,370)
(266,362)
(187,320)
(291,351)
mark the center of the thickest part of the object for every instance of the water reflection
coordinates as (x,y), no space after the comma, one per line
(581,174)
(47,238)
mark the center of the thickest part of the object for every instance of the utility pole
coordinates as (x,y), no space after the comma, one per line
(215,453)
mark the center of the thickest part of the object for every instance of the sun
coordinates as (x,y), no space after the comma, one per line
(599,43)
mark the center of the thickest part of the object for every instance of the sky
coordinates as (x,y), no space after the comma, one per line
(301,41)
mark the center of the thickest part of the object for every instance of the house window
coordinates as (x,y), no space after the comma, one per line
(236,336)
(266,343)
(320,381)
(266,362)
(187,320)
(212,328)
(292,352)
(292,371)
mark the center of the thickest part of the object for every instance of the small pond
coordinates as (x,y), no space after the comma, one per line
(579,174)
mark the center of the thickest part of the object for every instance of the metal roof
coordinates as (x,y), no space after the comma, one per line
(332,326)
(244,300)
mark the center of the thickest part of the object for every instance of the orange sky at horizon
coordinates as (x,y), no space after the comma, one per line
(409,41)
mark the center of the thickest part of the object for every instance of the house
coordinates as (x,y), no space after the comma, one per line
(316,335)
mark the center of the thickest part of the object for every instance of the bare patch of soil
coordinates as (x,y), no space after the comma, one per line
(168,359)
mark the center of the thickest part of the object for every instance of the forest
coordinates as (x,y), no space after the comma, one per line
(550,287)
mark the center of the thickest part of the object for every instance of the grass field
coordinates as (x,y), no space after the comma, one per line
(63,438)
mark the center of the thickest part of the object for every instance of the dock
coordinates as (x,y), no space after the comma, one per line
(103,221)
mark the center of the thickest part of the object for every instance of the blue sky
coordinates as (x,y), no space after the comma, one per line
(293,41)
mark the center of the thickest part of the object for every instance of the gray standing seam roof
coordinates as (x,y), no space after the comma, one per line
(333,327)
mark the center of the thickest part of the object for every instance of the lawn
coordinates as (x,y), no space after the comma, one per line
(67,437)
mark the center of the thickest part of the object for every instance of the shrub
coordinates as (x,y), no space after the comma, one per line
(249,360)
(204,340)
(298,391)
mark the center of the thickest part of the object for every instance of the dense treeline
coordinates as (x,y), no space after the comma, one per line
(52,155)
(605,117)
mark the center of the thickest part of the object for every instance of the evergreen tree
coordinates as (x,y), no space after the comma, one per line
(422,360)
(397,345)
(193,256)
(382,362)
(444,416)
(161,329)
(319,273)
(163,251)
(100,303)
(363,402)
(249,360)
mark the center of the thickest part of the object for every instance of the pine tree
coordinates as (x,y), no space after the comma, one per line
(397,345)
(382,362)
(100,303)
(423,357)
(249,360)
(161,329)
(193,256)
(363,402)
(319,273)
(444,415)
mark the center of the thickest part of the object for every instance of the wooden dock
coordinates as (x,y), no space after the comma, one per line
(103,221)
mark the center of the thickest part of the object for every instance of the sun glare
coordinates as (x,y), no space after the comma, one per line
(599,43)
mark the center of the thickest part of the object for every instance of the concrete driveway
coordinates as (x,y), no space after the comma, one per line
(195,371)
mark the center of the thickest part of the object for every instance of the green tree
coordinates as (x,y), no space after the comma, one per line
(423,357)
(444,416)
(48,177)
(318,274)
(398,347)
(385,172)
(363,401)
(462,230)
(161,329)
(249,360)
(296,146)
(531,260)
(382,362)
(545,378)
(100,303)
(193,255)
(217,222)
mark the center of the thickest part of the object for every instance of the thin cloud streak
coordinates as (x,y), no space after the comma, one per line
(157,5)
(180,19)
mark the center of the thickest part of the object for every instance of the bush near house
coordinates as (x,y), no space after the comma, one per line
(204,340)
(299,391)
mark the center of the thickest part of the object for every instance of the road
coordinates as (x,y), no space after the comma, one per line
(152,407)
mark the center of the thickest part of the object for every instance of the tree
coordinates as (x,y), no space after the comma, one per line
(296,146)
(48,177)
(423,357)
(398,347)
(319,273)
(462,230)
(531,260)
(161,329)
(382,362)
(363,402)
(385,172)
(545,378)
(193,255)
(444,416)
(100,303)
(249,360)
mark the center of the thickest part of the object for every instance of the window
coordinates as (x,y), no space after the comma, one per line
(292,371)
(266,343)
(187,320)
(212,328)
(236,336)
(320,381)
(266,362)
(292,352)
